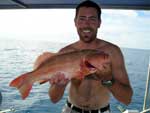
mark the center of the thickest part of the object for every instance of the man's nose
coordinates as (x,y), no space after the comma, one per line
(87,22)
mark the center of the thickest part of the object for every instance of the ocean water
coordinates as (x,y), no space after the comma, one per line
(18,57)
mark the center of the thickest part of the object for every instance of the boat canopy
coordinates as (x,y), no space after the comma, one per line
(106,4)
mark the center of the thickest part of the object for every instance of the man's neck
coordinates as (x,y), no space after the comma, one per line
(90,45)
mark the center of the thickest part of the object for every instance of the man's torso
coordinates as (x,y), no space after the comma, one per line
(89,93)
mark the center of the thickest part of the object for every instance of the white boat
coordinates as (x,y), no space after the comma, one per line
(107,4)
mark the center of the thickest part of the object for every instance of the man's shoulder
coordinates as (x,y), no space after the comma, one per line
(67,48)
(110,47)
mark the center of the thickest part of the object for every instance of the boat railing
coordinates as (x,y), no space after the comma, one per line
(147,92)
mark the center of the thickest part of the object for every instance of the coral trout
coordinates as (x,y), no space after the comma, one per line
(76,64)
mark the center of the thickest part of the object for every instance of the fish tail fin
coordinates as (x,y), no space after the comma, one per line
(23,84)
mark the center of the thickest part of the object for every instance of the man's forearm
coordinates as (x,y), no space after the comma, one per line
(56,92)
(121,92)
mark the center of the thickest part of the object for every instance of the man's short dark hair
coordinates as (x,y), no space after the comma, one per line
(89,3)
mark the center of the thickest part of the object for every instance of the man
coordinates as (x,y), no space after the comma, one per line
(92,94)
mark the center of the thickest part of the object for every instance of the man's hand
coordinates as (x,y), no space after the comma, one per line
(58,84)
(59,79)
(105,72)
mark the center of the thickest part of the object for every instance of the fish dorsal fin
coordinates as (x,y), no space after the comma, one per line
(43,57)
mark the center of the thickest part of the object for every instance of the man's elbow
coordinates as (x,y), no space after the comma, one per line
(128,100)
(54,100)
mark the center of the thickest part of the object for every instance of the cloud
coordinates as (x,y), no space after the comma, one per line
(33,24)
(120,13)
(126,28)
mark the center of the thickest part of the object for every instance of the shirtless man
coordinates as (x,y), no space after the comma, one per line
(92,94)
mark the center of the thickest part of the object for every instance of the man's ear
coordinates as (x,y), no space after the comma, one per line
(75,21)
(99,24)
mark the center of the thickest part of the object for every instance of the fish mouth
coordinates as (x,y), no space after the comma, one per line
(89,65)
(92,70)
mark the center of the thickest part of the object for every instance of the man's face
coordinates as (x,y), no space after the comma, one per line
(87,24)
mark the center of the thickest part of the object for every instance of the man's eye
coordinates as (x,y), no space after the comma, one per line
(81,18)
(93,19)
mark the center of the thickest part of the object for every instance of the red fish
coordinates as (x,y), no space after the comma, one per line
(76,64)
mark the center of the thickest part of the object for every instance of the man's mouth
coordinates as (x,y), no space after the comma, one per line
(87,31)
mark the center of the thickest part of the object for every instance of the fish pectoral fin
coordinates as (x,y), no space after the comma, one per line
(79,75)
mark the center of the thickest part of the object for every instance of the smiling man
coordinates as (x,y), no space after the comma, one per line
(92,94)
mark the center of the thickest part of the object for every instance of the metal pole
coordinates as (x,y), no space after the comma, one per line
(0,98)
(147,88)
(7,110)
(144,111)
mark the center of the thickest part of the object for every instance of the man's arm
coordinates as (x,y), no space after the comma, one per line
(58,85)
(58,82)
(121,89)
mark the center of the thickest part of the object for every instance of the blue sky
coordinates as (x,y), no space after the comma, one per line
(126,28)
